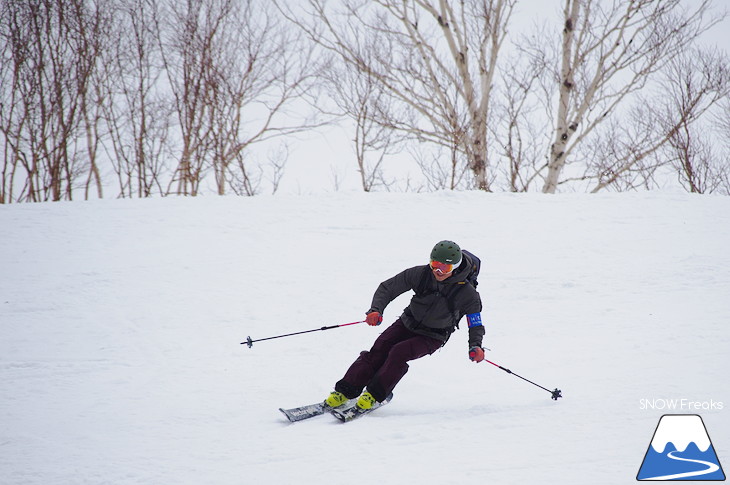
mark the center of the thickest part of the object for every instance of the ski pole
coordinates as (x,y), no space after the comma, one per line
(250,342)
(555,393)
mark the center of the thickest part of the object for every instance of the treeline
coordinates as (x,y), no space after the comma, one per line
(138,98)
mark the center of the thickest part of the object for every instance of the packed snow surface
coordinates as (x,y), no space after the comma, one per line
(121,327)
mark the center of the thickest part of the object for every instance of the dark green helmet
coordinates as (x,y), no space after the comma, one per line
(446,252)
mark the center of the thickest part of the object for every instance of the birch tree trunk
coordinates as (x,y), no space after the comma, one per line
(563,128)
(434,59)
(609,52)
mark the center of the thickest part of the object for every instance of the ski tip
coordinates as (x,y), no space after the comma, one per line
(283,411)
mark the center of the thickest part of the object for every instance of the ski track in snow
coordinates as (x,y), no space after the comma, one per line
(121,323)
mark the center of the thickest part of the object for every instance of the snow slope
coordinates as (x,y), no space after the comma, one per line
(121,323)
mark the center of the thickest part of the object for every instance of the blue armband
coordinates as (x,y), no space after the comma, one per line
(474,319)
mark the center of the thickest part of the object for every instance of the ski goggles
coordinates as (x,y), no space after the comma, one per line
(442,268)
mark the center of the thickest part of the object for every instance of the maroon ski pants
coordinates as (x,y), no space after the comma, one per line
(385,364)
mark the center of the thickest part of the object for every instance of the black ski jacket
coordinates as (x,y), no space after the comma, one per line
(436,307)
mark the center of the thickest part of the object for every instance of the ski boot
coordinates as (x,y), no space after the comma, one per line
(366,401)
(335,400)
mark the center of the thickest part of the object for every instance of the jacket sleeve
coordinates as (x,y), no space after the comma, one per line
(476,329)
(392,288)
(474,319)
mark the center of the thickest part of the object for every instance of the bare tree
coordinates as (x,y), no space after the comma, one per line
(722,127)
(521,129)
(13,114)
(272,75)
(659,129)
(186,32)
(721,123)
(435,60)
(439,174)
(620,154)
(357,95)
(234,69)
(698,83)
(695,160)
(277,162)
(52,52)
(136,110)
(95,21)
(610,51)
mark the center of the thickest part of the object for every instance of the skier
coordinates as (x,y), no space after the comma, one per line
(444,292)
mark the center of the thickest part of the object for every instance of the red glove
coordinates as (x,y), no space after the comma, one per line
(476,354)
(375,318)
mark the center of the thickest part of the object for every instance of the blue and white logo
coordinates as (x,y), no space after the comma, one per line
(681,450)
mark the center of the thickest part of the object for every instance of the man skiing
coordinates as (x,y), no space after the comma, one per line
(444,293)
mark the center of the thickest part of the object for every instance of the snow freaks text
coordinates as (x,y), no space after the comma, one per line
(680,404)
